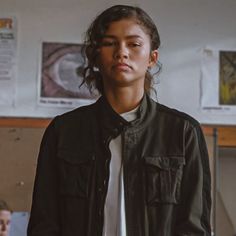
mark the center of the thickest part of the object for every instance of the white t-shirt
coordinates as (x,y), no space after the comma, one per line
(114,209)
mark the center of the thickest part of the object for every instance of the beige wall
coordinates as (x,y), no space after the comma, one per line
(227,186)
(18,154)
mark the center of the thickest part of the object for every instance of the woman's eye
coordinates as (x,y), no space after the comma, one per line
(134,44)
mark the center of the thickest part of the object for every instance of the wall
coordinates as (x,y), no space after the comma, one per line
(185,26)
(18,154)
(226,182)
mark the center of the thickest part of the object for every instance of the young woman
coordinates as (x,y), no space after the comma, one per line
(125,165)
(5,218)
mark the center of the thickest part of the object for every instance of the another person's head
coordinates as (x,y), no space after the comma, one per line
(94,42)
(5,218)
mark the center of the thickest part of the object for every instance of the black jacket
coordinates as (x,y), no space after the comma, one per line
(166,173)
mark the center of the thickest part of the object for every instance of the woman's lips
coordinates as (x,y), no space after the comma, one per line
(122,66)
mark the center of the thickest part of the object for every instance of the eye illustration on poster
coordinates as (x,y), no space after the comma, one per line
(61,76)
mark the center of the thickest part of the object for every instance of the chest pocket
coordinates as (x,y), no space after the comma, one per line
(163,179)
(75,173)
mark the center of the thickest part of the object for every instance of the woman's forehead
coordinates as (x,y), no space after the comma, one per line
(127,27)
(4,214)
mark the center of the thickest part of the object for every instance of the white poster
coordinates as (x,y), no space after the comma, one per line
(7,60)
(218,81)
(60,77)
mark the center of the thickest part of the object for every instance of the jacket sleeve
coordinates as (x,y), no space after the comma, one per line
(44,218)
(193,213)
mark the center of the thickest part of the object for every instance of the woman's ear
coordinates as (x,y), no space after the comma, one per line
(153,58)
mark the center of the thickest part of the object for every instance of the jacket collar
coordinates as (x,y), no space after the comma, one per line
(112,123)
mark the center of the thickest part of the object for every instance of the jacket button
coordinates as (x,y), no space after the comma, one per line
(100,189)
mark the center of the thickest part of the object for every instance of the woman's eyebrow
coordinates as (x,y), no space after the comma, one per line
(109,36)
(127,37)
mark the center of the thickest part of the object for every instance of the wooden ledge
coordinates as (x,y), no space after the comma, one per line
(25,122)
(226,135)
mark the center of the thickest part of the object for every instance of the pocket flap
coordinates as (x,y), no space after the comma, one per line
(165,162)
(75,171)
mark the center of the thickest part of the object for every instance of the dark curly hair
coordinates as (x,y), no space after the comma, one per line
(96,32)
(4,206)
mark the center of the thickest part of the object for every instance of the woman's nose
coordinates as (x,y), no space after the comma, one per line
(121,51)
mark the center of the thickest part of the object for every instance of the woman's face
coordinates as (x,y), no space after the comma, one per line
(5,219)
(125,55)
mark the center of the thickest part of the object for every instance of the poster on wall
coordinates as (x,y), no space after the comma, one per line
(8,44)
(218,81)
(60,77)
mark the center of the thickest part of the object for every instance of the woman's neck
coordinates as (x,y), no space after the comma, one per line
(124,99)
